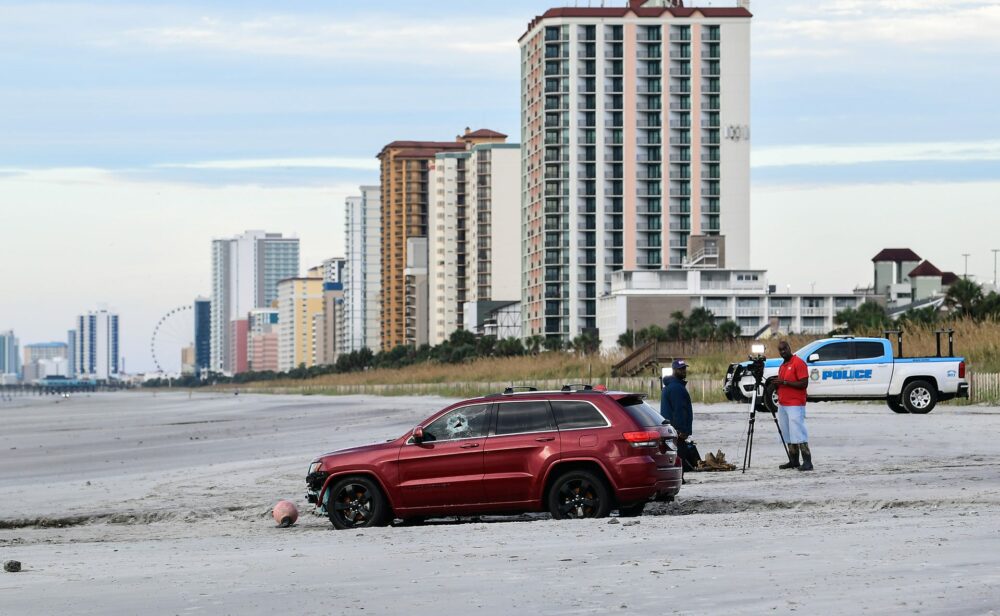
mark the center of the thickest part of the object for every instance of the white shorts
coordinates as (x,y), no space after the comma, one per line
(792,420)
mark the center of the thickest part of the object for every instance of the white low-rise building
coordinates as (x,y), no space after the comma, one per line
(642,298)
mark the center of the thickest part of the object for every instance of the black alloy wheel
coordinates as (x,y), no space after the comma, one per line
(356,502)
(577,495)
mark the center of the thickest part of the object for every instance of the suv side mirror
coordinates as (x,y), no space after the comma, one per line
(814,357)
(418,434)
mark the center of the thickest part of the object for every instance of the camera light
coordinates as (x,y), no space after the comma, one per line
(757,349)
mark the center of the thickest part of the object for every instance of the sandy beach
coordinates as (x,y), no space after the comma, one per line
(139,503)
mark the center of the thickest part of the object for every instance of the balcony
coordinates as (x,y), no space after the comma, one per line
(748,312)
(781,311)
(813,311)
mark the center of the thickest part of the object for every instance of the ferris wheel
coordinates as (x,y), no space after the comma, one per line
(173,333)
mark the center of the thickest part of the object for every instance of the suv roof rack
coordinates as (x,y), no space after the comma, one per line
(577,387)
(513,388)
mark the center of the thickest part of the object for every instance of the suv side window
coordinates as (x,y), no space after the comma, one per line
(868,350)
(835,351)
(463,422)
(572,414)
(528,416)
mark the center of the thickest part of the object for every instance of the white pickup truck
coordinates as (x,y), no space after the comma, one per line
(848,368)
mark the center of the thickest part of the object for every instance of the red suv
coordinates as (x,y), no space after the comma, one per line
(577,453)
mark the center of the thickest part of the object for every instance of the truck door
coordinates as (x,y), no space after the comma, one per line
(873,368)
(830,370)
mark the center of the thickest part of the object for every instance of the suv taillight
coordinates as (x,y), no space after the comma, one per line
(647,438)
(961,369)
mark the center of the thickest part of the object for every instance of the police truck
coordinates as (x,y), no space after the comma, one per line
(854,368)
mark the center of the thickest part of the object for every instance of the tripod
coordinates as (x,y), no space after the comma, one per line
(756,400)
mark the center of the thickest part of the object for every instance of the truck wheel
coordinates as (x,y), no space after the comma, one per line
(896,405)
(771,397)
(919,397)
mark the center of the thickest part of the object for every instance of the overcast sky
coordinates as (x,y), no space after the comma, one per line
(131,133)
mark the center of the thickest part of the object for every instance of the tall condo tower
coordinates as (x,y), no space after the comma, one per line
(363,272)
(635,127)
(245,274)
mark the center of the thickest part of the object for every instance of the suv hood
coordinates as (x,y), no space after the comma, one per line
(350,450)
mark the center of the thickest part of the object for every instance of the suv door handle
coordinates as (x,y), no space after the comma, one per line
(469,446)
(545,439)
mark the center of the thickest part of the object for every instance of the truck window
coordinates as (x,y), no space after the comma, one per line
(835,351)
(868,350)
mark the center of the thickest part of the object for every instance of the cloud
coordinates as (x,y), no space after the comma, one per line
(905,23)
(361,164)
(369,39)
(852,154)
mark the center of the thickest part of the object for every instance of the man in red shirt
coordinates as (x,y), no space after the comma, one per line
(793,378)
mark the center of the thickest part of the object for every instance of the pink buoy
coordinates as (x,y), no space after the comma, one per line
(285,513)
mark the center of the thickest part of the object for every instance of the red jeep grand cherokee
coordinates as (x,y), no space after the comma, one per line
(577,453)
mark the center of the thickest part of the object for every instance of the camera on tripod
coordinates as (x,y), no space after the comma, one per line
(756,370)
(756,367)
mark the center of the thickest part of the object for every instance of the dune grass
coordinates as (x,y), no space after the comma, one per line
(979,343)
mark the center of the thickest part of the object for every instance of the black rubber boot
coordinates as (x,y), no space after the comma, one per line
(807,459)
(793,457)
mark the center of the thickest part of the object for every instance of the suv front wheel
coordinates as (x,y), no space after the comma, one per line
(357,502)
(579,494)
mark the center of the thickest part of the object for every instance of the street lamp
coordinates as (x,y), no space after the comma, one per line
(966,274)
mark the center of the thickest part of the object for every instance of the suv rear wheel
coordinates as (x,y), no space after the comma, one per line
(919,397)
(356,502)
(579,494)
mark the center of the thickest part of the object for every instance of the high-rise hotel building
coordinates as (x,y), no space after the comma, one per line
(363,272)
(245,274)
(475,204)
(405,200)
(635,154)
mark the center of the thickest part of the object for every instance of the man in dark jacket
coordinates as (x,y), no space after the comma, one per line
(675,407)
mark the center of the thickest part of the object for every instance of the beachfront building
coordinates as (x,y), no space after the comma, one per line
(405,194)
(40,360)
(202,334)
(473,223)
(10,360)
(97,338)
(329,323)
(245,274)
(640,298)
(363,272)
(635,127)
(262,339)
(300,301)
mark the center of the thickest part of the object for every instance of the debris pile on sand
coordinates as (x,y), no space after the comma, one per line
(12,566)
